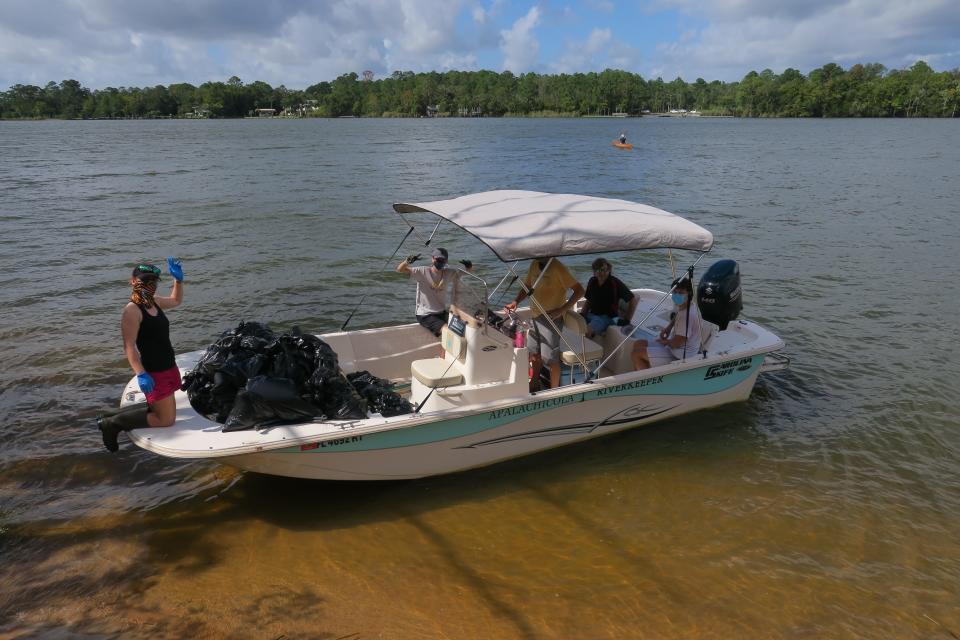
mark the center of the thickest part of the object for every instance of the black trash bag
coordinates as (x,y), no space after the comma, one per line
(201,398)
(322,375)
(225,375)
(283,398)
(243,415)
(256,329)
(223,370)
(290,359)
(255,344)
(340,401)
(269,401)
(211,360)
(244,365)
(379,394)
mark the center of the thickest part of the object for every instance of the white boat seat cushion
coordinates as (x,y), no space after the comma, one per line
(575,323)
(436,372)
(591,351)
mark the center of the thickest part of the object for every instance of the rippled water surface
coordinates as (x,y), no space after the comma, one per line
(827,505)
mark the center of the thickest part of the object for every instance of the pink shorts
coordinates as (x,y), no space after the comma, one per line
(165,383)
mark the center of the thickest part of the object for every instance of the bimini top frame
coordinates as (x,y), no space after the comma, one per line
(520,225)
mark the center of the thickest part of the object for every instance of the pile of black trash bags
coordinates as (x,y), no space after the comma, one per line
(252,377)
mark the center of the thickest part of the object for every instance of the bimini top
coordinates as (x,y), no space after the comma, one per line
(518,225)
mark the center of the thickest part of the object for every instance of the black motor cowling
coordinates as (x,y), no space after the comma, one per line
(719,295)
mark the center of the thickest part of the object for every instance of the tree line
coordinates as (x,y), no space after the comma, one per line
(863,90)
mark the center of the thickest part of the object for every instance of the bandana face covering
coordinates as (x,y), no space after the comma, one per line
(143,293)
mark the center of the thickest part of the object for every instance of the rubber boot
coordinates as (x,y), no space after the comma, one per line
(127,418)
(106,413)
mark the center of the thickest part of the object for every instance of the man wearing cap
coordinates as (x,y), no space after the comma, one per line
(432,284)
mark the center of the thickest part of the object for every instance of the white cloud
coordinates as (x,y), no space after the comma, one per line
(737,36)
(597,52)
(519,45)
(597,40)
(299,42)
(293,42)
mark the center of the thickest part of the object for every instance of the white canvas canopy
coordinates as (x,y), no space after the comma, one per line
(518,225)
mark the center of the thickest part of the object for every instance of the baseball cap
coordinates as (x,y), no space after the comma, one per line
(146,269)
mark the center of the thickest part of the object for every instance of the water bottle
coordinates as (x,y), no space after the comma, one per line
(519,340)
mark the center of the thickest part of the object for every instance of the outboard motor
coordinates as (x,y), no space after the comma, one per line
(719,295)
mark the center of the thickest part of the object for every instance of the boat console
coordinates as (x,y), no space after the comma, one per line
(479,364)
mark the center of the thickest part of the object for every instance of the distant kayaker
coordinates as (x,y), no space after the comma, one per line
(623,138)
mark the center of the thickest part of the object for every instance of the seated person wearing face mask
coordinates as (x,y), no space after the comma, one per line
(432,284)
(676,341)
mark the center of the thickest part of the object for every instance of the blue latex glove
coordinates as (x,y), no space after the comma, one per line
(145,380)
(173,266)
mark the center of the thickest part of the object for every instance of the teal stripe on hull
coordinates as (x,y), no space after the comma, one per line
(695,382)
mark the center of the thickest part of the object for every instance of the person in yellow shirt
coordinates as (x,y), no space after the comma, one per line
(551,298)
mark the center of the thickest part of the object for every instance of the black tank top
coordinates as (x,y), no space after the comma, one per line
(153,341)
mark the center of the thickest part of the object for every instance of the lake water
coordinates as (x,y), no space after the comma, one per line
(826,506)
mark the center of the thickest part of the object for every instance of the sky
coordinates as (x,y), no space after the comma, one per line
(297,43)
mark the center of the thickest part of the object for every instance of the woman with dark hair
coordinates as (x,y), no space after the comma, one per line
(675,341)
(604,297)
(146,343)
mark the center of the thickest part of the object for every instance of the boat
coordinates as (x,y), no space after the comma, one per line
(622,145)
(474,406)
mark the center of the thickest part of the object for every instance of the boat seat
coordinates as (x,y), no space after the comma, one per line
(709,332)
(442,372)
(436,372)
(588,350)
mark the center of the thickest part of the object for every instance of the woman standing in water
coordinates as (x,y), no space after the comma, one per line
(146,343)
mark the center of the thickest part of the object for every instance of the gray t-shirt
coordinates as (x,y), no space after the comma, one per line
(432,288)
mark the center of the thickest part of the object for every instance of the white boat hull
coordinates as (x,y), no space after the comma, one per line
(543,422)
(488,418)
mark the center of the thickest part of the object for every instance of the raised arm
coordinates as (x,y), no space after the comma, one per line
(176,294)
(404,266)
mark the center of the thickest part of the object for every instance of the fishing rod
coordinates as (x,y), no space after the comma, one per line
(392,255)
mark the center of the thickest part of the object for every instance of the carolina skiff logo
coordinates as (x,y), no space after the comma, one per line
(726,368)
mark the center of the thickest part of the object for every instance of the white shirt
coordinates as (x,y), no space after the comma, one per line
(680,329)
